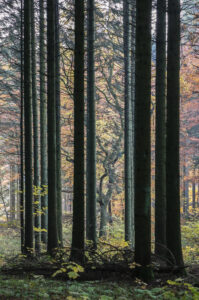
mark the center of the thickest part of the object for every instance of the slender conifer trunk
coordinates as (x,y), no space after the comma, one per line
(142,138)
(133,42)
(28,129)
(91,130)
(160,144)
(77,253)
(193,195)
(52,183)
(21,183)
(128,121)
(173,232)
(43,126)
(12,193)
(58,128)
(35,135)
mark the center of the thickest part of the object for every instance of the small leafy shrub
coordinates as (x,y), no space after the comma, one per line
(190,241)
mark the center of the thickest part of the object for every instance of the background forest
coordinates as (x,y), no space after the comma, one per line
(99,165)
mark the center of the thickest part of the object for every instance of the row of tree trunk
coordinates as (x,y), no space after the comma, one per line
(137,130)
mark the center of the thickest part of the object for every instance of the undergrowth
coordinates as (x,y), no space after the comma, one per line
(37,287)
(113,248)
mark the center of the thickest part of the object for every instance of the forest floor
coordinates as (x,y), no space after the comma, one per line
(34,285)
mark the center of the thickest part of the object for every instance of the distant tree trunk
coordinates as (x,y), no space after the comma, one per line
(52,184)
(35,135)
(186,198)
(21,178)
(193,195)
(185,191)
(17,170)
(77,252)
(4,201)
(160,143)
(12,193)
(43,127)
(128,120)
(172,130)
(91,131)
(142,138)
(58,127)
(28,129)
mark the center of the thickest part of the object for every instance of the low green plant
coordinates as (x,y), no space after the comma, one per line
(190,241)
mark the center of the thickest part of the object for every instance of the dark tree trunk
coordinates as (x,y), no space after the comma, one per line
(28,129)
(142,138)
(133,42)
(128,121)
(172,131)
(21,178)
(91,131)
(43,127)
(77,253)
(58,128)
(160,142)
(52,184)
(35,135)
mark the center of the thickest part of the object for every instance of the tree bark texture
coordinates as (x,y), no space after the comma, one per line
(91,128)
(58,126)
(77,253)
(21,177)
(28,129)
(51,105)
(43,126)
(172,131)
(160,138)
(128,120)
(142,134)
(35,135)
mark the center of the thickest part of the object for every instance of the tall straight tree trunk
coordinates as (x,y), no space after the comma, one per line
(77,253)
(133,42)
(58,128)
(128,120)
(43,127)
(172,131)
(21,178)
(52,184)
(91,128)
(28,129)
(35,134)
(142,137)
(160,142)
